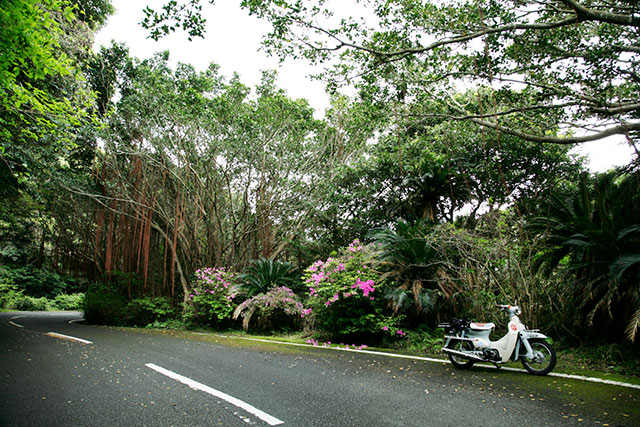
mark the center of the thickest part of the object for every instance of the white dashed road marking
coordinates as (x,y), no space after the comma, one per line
(67,337)
(213,392)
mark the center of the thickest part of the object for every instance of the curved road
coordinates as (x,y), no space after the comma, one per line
(56,372)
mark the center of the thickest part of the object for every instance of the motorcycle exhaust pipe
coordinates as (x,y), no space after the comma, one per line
(461,354)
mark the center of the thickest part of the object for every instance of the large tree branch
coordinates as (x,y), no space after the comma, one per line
(578,13)
(622,129)
(585,14)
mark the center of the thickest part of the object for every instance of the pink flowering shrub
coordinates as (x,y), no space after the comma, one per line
(346,294)
(277,308)
(211,299)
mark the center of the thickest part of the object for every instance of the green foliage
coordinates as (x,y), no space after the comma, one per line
(211,300)
(560,65)
(14,298)
(101,308)
(407,256)
(27,303)
(423,341)
(346,294)
(8,292)
(38,282)
(261,275)
(150,311)
(592,236)
(278,308)
(67,302)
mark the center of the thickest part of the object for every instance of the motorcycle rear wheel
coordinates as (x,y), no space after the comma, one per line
(457,361)
(544,358)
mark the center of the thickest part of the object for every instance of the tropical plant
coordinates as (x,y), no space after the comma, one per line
(407,256)
(593,236)
(277,308)
(263,274)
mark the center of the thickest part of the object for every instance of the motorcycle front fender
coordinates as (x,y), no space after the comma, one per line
(527,335)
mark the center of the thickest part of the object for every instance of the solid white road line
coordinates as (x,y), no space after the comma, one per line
(67,337)
(213,392)
(430,359)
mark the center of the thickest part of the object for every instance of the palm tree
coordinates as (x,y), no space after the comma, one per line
(408,256)
(594,235)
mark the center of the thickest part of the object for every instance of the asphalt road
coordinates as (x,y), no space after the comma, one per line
(124,377)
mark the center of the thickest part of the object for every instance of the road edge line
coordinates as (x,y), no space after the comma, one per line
(431,359)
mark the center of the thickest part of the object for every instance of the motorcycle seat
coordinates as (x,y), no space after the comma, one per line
(482,326)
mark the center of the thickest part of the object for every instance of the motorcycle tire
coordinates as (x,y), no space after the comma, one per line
(544,359)
(457,361)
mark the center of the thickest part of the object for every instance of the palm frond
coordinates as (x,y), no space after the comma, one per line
(623,264)
(633,326)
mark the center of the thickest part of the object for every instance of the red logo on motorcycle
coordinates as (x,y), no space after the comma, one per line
(514,327)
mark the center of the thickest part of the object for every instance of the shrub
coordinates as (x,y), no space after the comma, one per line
(148,310)
(27,303)
(345,294)
(8,292)
(103,308)
(37,282)
(210,301)
(67,302)
(278,308)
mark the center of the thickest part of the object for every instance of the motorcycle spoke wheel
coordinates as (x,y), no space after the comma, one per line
(457,361)
(543,361)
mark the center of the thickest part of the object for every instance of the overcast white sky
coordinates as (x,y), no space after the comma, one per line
(232,41)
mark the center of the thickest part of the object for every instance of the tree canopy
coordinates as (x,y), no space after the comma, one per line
(560,71)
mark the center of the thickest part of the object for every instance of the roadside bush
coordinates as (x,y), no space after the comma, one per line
(67,302)
(346,295)
(103,308)
(37,282)
(148,310)
(8,292)
(211,299)
(278,308)
(27,303)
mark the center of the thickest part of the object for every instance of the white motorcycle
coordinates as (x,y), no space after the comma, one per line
(468,342)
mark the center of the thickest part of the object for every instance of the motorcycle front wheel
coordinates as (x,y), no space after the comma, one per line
(544,358)
(459,362)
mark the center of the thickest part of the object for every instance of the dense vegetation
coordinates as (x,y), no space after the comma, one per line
(175,197)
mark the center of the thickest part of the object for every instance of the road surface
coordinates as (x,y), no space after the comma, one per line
(55,371)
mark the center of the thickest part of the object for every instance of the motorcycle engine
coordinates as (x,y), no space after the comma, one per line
(491,354)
